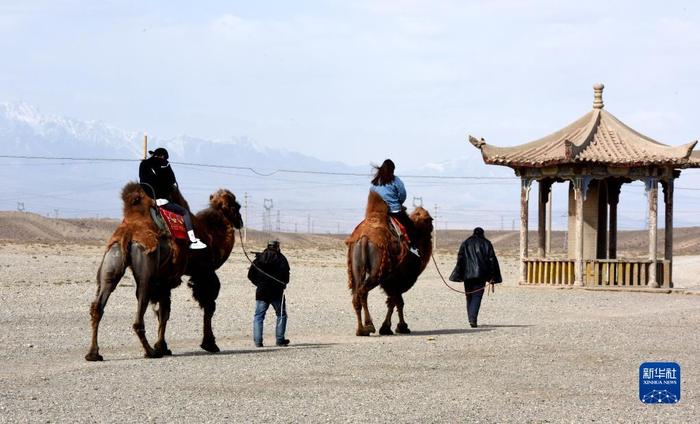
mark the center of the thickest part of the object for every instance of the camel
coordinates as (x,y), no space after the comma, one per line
(377,258)
(158,263)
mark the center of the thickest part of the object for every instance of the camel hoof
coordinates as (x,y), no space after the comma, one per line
(402,329)
(163,349)
(385,330)
(370,328)
(153,354)
(362,332)
(210,347)
(93,357)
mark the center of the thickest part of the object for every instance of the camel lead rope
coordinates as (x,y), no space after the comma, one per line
(455,290)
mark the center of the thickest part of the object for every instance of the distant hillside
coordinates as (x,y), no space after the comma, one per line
(23,227)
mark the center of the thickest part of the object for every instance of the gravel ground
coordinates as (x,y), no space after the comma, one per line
(539,355)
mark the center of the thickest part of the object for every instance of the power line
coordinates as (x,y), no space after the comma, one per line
(255,171)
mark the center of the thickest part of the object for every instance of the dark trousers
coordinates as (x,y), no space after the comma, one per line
(174,207)
(474,299)
(410,227)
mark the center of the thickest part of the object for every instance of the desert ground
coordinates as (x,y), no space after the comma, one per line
(539,354)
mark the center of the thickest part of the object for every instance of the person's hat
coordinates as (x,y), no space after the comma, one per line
(159,152)
(275,244)
(478,231)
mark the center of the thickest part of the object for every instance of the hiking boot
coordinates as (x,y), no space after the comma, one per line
(197,244)
(414,251)
(284,342)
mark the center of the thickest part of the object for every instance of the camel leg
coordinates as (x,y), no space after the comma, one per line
(161,346)
(143,269)
(401,327)
(205,289)
(110,272)
(385,329)
(357,304)
(368,325)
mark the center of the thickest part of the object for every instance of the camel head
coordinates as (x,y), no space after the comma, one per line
(422,219)
(225,202)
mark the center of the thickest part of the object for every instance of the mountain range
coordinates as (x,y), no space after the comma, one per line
(306,193)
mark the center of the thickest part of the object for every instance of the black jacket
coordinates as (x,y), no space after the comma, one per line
(272,262)
(155,174)
(476,260)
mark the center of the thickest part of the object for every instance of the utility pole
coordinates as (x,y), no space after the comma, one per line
(338,232)
(277,224)
(55,213)
(417,201)
(435,228)
(145,146)
(245,217)
(308,223)
(501,222)
(295,227)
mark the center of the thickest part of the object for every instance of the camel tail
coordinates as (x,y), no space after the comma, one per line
(357,261)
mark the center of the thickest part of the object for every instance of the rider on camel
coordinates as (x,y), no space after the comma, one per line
(158,181)
(391,189)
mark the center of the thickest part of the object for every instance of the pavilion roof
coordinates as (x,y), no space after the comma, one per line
(597,137)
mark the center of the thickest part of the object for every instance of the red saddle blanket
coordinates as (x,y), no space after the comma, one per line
(399,229)
(175,223)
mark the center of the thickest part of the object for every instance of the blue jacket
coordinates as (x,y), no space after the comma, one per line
(394,194)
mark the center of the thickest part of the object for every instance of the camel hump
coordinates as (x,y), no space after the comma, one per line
(375,205)
(137,225)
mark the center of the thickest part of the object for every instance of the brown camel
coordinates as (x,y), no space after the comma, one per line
(377,258)
(158,262)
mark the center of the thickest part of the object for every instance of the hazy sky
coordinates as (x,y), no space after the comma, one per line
(356,80)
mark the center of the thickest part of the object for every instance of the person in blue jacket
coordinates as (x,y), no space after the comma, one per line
(391,189)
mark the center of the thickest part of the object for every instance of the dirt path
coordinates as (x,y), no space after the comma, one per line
(539,355)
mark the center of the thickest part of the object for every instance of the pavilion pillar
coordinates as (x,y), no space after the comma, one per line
(524,191)
(652,193)
(578,228)
(668,229)
(544,190)
(613,200)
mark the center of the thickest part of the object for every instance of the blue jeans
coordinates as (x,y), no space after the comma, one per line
(280,308)
(474,299)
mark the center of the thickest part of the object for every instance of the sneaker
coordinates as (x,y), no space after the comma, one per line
(414,251)
(258,345)
(197,244)
(472,324)
(284,342)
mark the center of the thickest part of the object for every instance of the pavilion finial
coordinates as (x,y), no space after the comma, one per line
(598,96)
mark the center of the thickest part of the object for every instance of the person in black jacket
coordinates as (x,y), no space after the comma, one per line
(269,273)
(158,181)
(476,265)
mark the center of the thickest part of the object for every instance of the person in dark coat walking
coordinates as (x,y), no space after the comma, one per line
(270,275)
(476,265)
(158,181)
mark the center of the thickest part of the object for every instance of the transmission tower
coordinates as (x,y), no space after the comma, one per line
(267,216)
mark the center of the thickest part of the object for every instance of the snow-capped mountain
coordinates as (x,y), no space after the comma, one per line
(300,201)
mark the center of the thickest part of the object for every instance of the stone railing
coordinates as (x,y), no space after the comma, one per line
(597,273)
(550,271)
(625,272)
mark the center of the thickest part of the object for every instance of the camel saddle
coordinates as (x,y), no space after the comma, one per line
(174,223)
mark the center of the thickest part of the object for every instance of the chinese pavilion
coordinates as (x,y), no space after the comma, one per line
(596,154)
